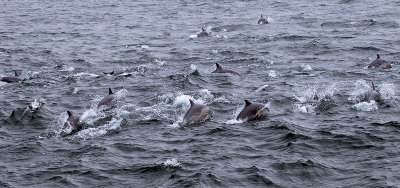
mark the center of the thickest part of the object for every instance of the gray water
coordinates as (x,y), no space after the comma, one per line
(309,48)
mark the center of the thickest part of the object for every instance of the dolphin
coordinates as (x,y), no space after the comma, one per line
(222,70)
(72,125)
(106,101)
(11,79)
(203,33)
(379,63)
(197,113)
(252,111)
(262,20)
(373,95)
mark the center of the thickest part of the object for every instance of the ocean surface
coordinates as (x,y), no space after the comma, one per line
(310,50)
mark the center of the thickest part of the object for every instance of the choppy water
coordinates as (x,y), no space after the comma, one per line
(309,48)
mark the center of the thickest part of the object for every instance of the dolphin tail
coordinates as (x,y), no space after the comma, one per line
(218,66)
(109,91)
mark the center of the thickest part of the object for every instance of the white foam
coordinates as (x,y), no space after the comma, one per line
(306,67)
(160,62)
(171,163)
(114,124)
(145,47)
(206,93)
(35,104)
(272,74)
(387,91)
(262,87)
(193,67)
(304,108)
(76,90)
(234,121)
(366,106)
(65,68)
(214,51)
(183,100)
(82,74)
(193,36)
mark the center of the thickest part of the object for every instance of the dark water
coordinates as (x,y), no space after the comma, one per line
(310,48)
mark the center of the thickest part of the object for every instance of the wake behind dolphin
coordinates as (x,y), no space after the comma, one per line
(252,111)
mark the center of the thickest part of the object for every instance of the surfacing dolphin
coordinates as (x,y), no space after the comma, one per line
(222,70)
(72,125)
(11,79)
(252,111)
(196,113)
(262,20)
(107,101)
(203,33)
(380,63)
(373,95)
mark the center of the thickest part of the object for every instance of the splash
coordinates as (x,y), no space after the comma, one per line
(114,124)
(366,106)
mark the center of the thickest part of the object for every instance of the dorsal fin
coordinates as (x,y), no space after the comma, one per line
(218,66)
(373,86)
(109,91)
(261,15)
(191,102)
(203,29)
(111,73)
(377,56)
(247,102)
(16,74)
(69,113)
